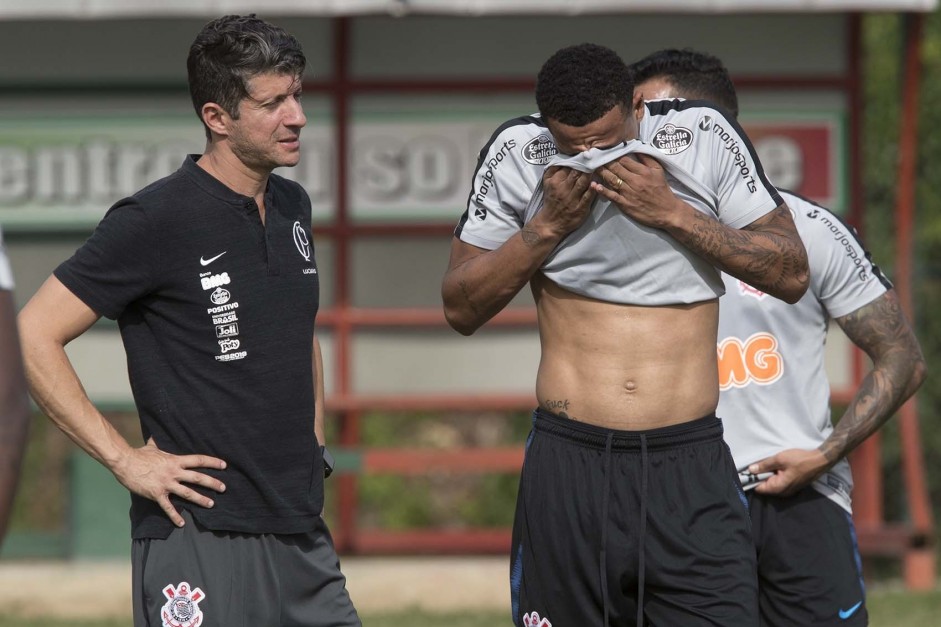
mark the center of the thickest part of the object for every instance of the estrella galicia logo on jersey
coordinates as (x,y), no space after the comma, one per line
(705,123)
(540,150)
(301,241)
(480,213)
(182,607)
(215,280)
(534,620)
(672,139)
(220,296)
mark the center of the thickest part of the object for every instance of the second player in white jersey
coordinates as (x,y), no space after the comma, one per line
(771,363)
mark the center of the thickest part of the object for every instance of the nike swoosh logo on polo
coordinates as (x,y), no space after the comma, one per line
(844,614)
(206,262)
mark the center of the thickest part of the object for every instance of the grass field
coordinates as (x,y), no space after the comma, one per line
(888,607)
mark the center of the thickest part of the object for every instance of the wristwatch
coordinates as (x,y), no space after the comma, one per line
(328,462)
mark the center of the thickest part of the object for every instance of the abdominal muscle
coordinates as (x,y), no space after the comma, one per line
(625,367)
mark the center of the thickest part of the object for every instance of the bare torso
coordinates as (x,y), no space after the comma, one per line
(624,366)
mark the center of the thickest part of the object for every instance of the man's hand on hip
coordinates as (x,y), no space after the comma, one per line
(155,474)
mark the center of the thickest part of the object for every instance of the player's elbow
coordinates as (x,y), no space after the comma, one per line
(461,320)
(919,371)
(795,287)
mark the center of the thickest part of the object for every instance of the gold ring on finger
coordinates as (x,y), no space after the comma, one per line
(618,184)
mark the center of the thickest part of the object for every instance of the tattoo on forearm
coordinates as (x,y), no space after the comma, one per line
(881,330)
(770,257)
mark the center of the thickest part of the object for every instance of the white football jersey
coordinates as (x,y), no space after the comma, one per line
(6,274)
(774,389)
(611,257)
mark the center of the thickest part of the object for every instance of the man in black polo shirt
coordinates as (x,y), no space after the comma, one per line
(211,276)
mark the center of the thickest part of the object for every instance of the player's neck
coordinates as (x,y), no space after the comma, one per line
(232,172)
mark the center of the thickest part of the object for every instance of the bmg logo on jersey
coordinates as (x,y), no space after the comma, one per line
(756,360)
(215,280)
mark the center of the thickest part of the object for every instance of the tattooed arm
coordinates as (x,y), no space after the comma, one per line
(480,283)
(881,330)
(767,254)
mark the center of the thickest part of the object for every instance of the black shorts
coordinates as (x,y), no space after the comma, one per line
(809,570)
(218,579)
(614,527)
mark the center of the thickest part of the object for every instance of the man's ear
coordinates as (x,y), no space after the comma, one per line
(216,118)
(637,105)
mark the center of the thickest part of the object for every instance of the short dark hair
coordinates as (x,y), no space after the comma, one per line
(696,75)
(229,51)
(579,84)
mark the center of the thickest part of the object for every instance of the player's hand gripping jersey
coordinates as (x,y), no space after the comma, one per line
(710,164)
(775,393)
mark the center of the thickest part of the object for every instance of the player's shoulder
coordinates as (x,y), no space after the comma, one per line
(674,125)
(812,218)
(701,112)
(525,138)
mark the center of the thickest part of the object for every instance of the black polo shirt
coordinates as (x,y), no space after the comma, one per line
(216,312)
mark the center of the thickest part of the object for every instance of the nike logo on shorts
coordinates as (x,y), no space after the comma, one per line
(206,262)
(844,614)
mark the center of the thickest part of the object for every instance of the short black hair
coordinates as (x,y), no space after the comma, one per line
(229,51)
(581,83)
(696,75)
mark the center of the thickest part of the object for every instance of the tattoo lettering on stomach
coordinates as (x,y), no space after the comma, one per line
(559,407)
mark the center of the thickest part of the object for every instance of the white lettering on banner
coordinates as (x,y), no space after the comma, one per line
(394,168)
(95,172)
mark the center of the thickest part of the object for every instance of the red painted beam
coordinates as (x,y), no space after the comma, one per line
(400,461)
(433,541)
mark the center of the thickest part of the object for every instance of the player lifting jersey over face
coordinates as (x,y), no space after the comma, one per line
(618,240)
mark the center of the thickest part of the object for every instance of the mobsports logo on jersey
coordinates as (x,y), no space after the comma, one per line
(532,620)
(539,151)
(672,139)
(182,607)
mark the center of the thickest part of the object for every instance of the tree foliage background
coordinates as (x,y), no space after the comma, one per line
(883,44)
